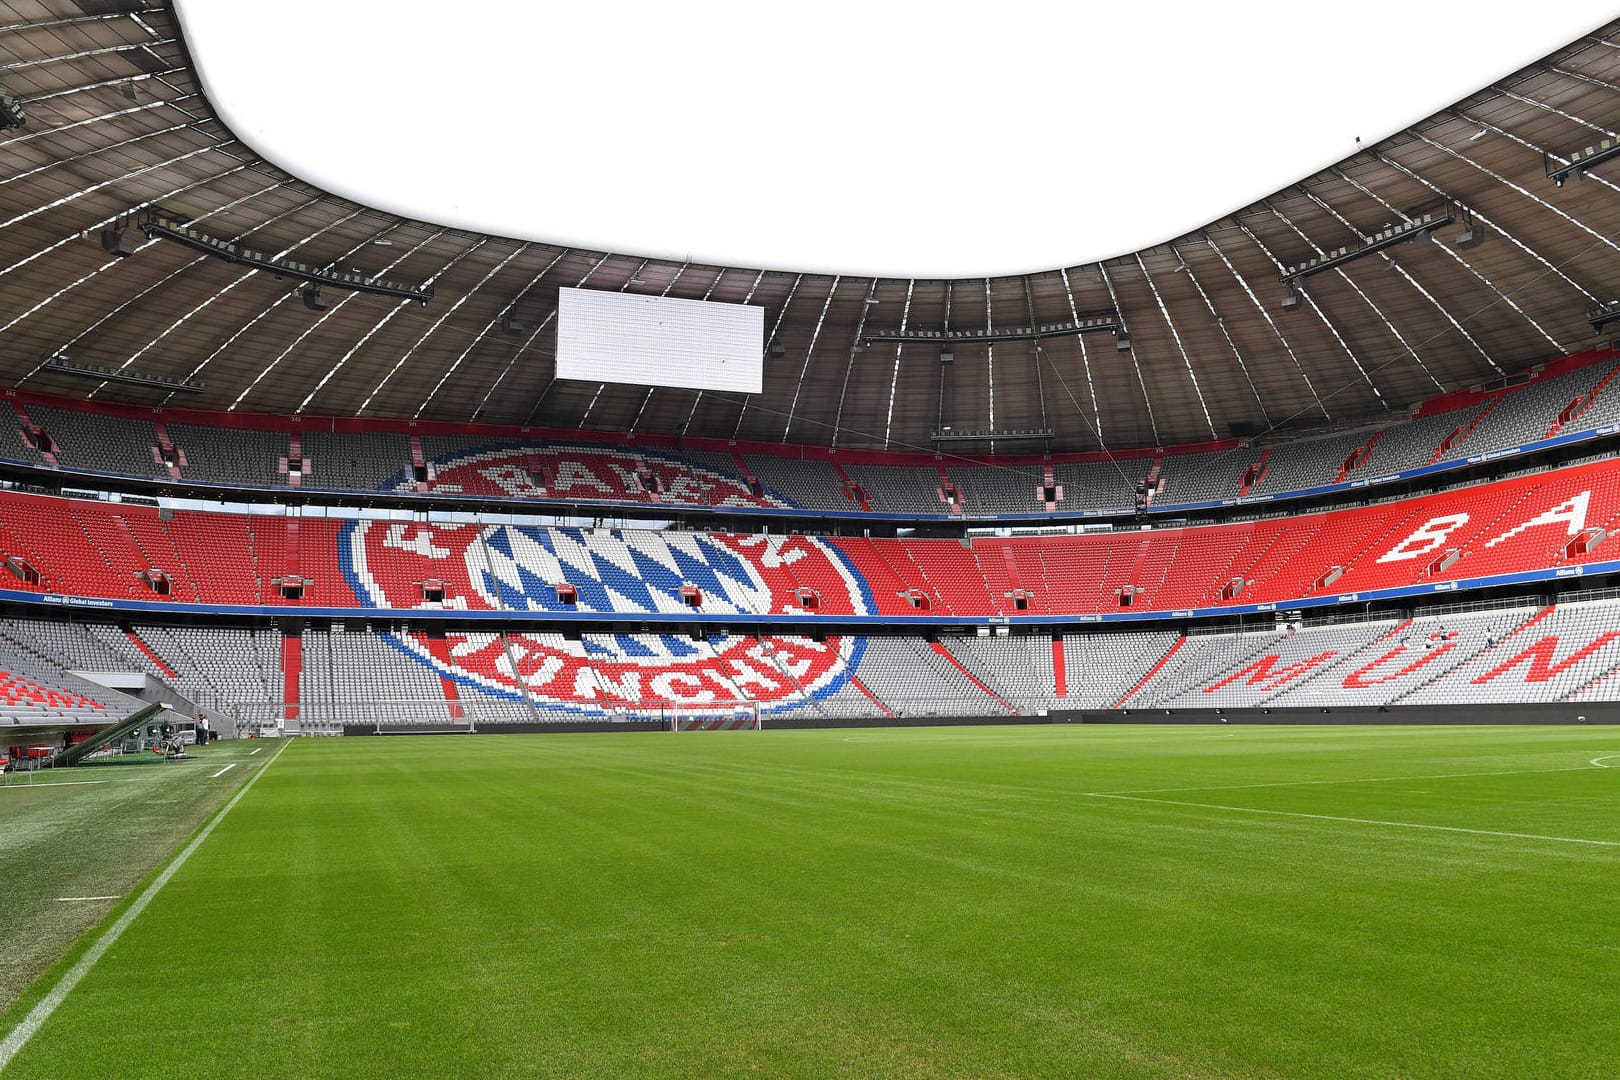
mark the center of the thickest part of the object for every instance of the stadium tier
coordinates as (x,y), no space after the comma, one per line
(1569,400)
(38,692)
(137,560)
(1550,524)
(324,679)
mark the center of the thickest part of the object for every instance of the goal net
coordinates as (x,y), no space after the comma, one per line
(741,716)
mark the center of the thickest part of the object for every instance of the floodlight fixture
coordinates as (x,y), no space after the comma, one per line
(115,242)
(11,111)
(950,434)
(62,364)
(1579,162)
(1603,314)
(160,223)
(1416,225)
(1100,322)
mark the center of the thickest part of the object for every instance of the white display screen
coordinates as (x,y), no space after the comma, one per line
(658,341)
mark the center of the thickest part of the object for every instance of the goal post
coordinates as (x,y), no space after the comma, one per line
(735,716)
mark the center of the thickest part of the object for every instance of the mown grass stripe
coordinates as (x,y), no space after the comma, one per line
(1360,821)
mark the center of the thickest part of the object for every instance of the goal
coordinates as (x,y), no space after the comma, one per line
(742,716)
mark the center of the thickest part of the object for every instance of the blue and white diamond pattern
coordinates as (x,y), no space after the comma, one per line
(517,566)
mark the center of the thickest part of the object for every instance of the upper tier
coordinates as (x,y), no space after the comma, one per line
(1572,399)
(1441,256)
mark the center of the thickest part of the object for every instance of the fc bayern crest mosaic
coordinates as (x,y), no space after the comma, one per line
(588,471)
(533,569)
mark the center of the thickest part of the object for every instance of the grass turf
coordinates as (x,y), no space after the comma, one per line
(91,834)
(935,902)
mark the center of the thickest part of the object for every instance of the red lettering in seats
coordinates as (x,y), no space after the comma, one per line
(1541,655)
(1357,680)
(1265,670)
(1428,536)
(1571,513)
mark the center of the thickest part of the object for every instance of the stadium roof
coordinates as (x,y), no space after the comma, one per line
(894,139)
(117,120)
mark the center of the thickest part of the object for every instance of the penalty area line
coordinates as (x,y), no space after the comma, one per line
(13,1043)
(1361,821)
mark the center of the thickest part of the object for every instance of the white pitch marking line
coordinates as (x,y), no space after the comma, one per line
(223,771)
(166,771)
(74,783)
(1364,821)
(67,899)
(1358,780)
(1598,761)
(252,752)
(13,1043)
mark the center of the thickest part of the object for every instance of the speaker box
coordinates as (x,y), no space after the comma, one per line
(114,242)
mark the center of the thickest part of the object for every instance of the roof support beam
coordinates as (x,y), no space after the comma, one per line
(329,313)
(776,329)
(115,260)
(1506,234)
(527,342)
(1040,386)
(1220,324)
(1265,314)
(815,336)
(1402,270)
(449,311)
(1420,223)
(894,376)
(1175,335)
(1095,423)
(854,350)
(183,319)
(1125,346)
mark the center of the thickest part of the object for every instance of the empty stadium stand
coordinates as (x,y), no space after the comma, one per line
(35,692)
(1538,525)
(1568,652)
(1568,396)
(1543,523)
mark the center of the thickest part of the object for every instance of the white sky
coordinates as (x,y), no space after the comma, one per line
(900,139)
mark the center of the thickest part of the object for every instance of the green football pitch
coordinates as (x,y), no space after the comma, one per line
(948,902)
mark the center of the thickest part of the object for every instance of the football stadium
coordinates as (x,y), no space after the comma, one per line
(432,652)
